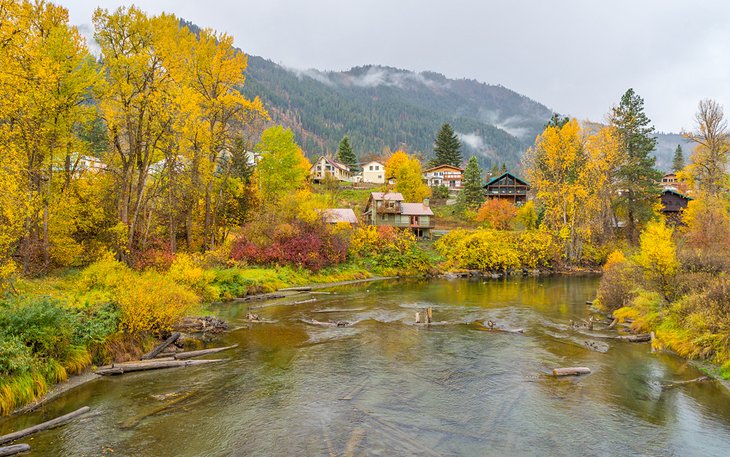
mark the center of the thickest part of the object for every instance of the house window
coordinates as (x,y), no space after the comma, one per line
(377,167)
(319,167)
(380,176)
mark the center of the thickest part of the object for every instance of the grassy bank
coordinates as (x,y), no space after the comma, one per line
(57,326)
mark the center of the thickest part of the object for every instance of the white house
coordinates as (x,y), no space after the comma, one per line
(373,172)
(324,166)
(444,175)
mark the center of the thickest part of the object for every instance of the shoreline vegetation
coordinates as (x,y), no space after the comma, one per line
(139,185)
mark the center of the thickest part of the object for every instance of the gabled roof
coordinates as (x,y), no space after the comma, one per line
(673,191)
(374,161)
(444,166)
(503,175)
(390,196)
(332,162)
(415,209)
(335,215)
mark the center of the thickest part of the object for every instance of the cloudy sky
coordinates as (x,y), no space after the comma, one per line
(575,56)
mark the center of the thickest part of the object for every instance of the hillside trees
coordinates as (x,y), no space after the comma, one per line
(446,148)
(637,175)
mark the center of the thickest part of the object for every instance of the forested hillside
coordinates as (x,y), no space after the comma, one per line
(383,107)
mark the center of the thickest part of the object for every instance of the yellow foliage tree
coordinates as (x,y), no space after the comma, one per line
(283,168)
(408,175)
(658,255)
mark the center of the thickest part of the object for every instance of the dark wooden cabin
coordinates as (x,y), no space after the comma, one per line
(509,187)
(673,203)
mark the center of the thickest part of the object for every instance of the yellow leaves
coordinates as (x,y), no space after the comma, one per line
(406,171)
(658,255)
(283,168)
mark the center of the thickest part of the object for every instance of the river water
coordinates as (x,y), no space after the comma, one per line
(387,387)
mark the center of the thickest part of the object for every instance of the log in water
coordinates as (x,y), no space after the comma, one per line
(57,422)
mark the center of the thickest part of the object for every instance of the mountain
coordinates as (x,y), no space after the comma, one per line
(383,107)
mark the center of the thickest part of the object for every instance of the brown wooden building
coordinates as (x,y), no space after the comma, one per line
(509,187)
(673,203)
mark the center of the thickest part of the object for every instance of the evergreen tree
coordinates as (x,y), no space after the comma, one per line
(345,154)
(678,160)
(447,148)
(472,195)
(637,175)
(557,121)
(504,168)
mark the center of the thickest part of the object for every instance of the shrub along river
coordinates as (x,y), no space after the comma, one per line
(385,386)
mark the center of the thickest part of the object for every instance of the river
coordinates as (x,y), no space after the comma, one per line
(387,387)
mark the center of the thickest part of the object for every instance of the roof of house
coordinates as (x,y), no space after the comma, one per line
(392,196)
(335,215)
(673,191)
(415,209)
(444,166)
(374,161)
(332,162)
(503,175)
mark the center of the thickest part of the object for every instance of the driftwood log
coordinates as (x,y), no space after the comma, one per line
(571,371)
(153,353)
(681,383)
(129,367)
(296,289)
(14,449)
(491,327)
(191,354)
(62,420)
(642,338)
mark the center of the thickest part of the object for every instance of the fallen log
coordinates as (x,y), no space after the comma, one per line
(132,422)
(270,296)
(479,325)
(266,305)
(57,422)
(153,353)
(613,324)
(643,338)
(14,449)
(210,324)
(328,324)
(191,354)
(681,383)
(129,367)
(571,371)
(296,289)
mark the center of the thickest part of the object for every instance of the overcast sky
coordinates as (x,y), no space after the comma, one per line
(575,56)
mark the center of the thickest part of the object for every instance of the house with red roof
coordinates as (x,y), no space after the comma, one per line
(389,208)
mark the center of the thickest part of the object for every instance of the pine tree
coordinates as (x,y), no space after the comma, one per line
(678,160)
(637,174)
(472,195)
(345,154)
(447,148)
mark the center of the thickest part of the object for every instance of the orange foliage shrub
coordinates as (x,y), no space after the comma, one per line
(497,214)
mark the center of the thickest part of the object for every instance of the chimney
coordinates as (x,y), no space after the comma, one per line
(426,202)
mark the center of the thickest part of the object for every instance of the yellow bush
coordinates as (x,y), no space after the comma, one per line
(186,270)
(152,303)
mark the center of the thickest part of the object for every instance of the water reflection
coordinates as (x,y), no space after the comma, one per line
(388,387)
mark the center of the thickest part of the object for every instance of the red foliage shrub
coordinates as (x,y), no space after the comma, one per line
(308,245)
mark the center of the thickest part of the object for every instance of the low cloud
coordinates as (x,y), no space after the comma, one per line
(473,140)
(514,125)
(311,73)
